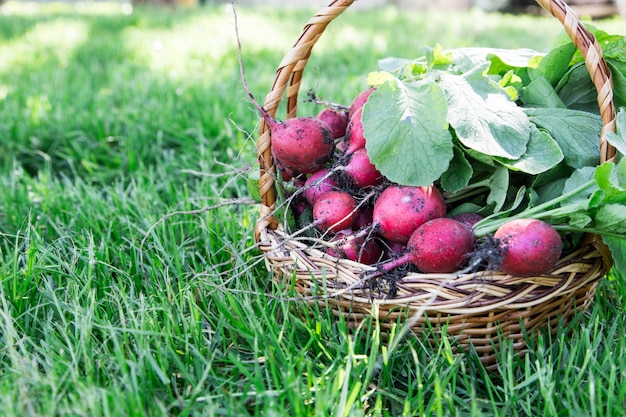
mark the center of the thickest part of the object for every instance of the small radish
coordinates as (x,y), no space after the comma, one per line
(361,171)
(318,184)
(365,217)
(337,120)
(334,211)
(365,251)
(528,247)
(399,210)
(440,245)
(359,101)
(301,144)
(468,219)
(355,137)
(395,249)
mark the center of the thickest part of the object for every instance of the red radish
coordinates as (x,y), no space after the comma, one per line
(365,217)
(468,219)
(360,100)
(355,137)
(334,211)
(318,184)
(285,173)
(395,249)
(528,246)
(361,171)
(440,245)
(301,144)
(399,210)
(359,249)
(337,120)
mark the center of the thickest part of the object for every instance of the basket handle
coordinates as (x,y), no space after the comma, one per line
(289,76)
(597,67)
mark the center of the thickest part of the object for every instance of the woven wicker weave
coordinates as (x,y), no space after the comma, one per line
(477,309)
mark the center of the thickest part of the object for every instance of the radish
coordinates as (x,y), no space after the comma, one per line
(361,172)
(300,144)
(440,245)
(318,184)
(468,219)
(365,251)
(365,217)
(337,120)
(335,211)
(359,101)
(395,249)
(399,210)
(355,137)
(528,247)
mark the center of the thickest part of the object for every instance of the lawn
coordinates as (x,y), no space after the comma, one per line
(129,281)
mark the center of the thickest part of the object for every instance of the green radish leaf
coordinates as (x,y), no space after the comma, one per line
(483,117)
(577,90)
(407,135)
(393,64)
(458,174)
(498,187)
(550,191)
(618,252)
(437,57)
(540,93)
(511,83)
(611,180)
(464,208)
(577,179)
(555,64)
(618,138)
(579,220)
(611,218)
(504,60)
(618,74)
(576,132)
(542,154)
(253,184)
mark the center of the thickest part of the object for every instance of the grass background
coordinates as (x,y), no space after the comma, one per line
(126,289)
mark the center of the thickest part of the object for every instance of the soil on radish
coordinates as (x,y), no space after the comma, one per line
(488,255)
(386,285)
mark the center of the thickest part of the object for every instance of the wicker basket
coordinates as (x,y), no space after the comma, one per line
(477,310)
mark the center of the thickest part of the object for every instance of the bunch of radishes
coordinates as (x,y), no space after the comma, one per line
(336,190)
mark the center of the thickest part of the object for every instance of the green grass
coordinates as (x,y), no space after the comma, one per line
(127,289)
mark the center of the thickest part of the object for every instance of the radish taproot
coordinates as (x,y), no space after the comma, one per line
(399,210)
(528,247)
(335,211)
